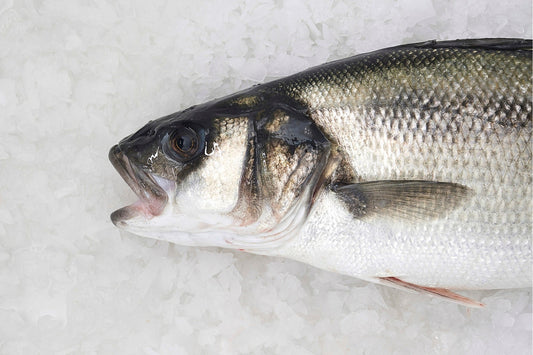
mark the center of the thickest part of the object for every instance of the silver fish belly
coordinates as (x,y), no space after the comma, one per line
(409,166)
(434,115)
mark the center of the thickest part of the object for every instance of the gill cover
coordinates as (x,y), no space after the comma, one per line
(285,159)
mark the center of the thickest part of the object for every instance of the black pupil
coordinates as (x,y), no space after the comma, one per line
(185,143)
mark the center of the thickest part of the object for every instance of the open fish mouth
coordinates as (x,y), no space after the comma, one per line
(152,197)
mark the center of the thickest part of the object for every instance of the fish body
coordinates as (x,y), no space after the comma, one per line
(408,166)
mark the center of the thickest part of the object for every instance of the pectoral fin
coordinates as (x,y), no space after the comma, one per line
(434,291)
(403,199)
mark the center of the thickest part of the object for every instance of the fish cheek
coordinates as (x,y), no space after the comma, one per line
(211,182)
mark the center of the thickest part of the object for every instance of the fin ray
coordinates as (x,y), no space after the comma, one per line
(434,291)
(402,199)
(478,43)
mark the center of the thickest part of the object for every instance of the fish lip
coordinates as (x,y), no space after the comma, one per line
(152,197)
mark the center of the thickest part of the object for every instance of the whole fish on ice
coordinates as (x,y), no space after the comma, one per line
(408,166)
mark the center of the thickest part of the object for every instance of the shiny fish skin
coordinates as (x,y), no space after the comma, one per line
(410,165)
(438,114)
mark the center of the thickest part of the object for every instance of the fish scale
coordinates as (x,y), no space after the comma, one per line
(378,127)
(409,166)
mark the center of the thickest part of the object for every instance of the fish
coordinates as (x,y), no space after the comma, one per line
(408,167)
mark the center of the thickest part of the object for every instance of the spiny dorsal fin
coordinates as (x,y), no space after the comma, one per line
(504,44)
(402,199)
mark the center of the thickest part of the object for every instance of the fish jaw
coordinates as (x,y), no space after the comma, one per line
(155,214)
(152,197)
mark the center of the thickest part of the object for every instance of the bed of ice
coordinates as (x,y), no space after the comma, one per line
(76,76)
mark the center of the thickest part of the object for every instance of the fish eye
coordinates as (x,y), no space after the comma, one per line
(185,142)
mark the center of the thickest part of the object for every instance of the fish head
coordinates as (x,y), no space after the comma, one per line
(222,175)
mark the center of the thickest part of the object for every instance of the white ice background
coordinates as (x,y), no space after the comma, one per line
(77,76)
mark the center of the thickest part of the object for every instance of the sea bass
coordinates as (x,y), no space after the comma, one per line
(409,166)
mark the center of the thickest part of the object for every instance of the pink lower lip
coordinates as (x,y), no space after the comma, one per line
(152,198)
(139,208)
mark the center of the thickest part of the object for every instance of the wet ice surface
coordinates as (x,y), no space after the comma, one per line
(77,76)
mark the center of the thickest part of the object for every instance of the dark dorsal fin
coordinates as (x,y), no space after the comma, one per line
(402,199)
(506,44)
